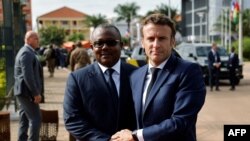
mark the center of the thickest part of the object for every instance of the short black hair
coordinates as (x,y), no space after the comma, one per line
(106,26)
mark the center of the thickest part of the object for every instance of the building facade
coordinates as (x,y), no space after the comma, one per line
(201,19)
(71,20)
(26,11)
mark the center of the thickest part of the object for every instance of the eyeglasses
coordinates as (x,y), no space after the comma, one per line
(109,43)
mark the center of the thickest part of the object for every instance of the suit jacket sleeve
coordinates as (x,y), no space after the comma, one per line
(76,120)
(188,94)
(30,68)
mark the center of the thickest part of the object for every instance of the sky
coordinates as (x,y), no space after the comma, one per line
(94,7)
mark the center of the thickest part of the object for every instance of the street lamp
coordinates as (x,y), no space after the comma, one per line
(192,7)
(200,14)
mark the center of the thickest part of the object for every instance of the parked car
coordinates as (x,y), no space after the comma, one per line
(138,57)
(198,52)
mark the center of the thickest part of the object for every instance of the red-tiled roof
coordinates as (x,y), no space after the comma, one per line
(64,12)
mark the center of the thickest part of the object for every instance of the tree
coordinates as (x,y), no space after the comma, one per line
(163,9)
(52,34)
(246,22)
(76,37)
(126,12)
(95,20)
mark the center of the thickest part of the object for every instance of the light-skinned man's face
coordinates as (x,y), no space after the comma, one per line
(157,42)
(106,46)
(33,41)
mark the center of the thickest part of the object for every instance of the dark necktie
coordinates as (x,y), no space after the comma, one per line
(111,85)
(154,72)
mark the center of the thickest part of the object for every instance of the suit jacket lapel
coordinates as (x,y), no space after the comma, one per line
(138,93)
(161,80)
(101,84)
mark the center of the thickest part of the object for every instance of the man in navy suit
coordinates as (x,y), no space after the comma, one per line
(94,110)
(214,63)
(167,112)
(28,88)
(233,64)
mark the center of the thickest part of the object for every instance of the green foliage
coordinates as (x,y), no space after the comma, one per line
(76,37)
(234,26)
(126,12)
(163,9)
(246,47)
(246,22)
(52,35)
(95,20)
(2,82)
(125,41)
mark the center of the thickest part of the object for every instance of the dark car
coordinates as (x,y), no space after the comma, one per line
(198,52)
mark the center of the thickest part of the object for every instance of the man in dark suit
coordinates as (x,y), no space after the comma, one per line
(168,99)
(214,63)
(28,88)
(233,64)
(94,109)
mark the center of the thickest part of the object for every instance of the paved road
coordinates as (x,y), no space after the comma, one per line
(224,107)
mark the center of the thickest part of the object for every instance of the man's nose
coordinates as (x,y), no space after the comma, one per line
(156,43)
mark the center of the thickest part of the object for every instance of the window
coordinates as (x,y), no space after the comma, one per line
(64,22)
(74,23)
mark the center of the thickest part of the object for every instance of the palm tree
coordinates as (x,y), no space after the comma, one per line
(163,8)
(126,12)
(95,20)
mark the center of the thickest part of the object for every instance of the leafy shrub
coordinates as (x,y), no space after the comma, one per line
(2,82)
(245,47)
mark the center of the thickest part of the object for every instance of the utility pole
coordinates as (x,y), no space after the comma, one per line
(240,31)
(13,20)
(169,9)
(193,37)
(8,42)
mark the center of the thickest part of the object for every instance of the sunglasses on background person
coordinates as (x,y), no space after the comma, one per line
(109,43)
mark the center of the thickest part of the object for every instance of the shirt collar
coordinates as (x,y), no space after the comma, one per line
(116,67)
(214,52)
(159,66)
(30,47)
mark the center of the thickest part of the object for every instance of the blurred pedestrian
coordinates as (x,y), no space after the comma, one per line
(79,57)
(214,64)
(50,56)
(233,64)
(28,88)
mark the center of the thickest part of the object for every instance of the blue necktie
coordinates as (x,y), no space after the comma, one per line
(112,86)
(154,76)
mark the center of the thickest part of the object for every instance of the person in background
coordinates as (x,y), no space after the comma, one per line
(98,100)
(28,88)
(69,54)
(214,63)
(233,64)
(50,56)
(168,92)
(79,57)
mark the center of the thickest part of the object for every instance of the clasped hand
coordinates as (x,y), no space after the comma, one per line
(123,135)
(37,99)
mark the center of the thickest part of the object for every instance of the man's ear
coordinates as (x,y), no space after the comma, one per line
(142,45)
(173,42)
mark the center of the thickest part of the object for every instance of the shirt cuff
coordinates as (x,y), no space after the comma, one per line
(140,135)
